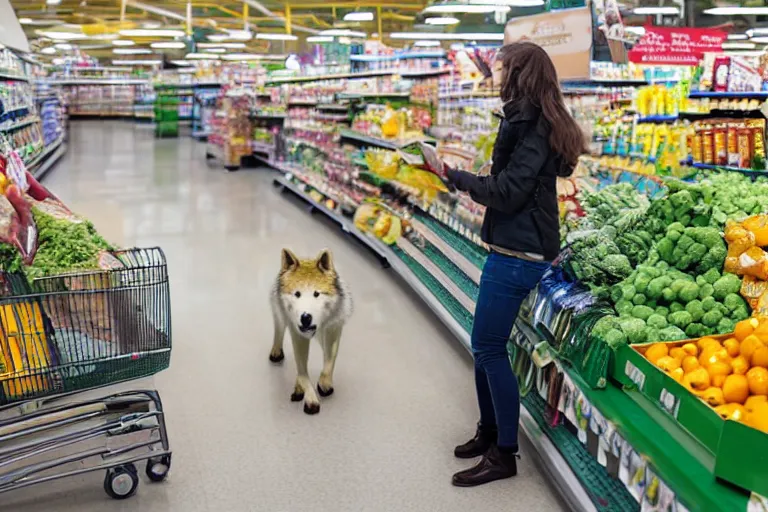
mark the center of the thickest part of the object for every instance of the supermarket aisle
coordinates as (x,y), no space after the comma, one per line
(404,393)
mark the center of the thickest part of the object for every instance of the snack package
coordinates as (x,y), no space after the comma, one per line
(432,161)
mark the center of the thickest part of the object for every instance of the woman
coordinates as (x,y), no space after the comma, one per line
(538,141)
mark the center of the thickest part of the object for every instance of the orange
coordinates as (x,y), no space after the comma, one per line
(760,357)
(668,363)
(745,328)
(706,354)
(740,365)
(691,349)
(708,342)
(678,353)
(758,381)
(752,402)
(718,381)
(697,380)
(749,345)
(735,412)
(656,351)
(713,396)
(736,389)
(761,331)
(690,363)
(732,345)
(717,367)
(758,418)
(677,374)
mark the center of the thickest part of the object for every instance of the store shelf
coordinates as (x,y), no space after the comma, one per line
(470,269)
(389,58)
(427,73)
(97,81)
(268,116)
(761,95)
(262,147)
(363,95)
(334,107)
(18,125)
(658,119)
(9,76)
(17,109)
(546,452)
(737,114)
(203,134)
(341,76)
(468,94)
(751,172)
(55,147)
(48,163)
(360,138)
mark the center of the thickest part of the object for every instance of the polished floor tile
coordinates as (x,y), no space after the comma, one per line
(404,394)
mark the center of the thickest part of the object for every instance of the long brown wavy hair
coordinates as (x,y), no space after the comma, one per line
(528,73)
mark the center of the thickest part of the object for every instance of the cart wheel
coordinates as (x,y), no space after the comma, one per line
(121,482)
(158,468)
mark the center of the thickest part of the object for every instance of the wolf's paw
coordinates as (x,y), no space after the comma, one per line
(311,408)
(324,392)
(297,396)
(277,358)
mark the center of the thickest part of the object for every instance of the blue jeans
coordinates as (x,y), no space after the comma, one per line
(505,283)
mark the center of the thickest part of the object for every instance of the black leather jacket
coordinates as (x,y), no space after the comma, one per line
(520,194)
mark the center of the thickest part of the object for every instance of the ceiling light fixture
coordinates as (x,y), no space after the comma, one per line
(426,43)
(739,46)
(182,63)
(221,45)
(510,3)
(638,31)
(25,21)
(358,16)
(52,2)
(759,39)
(65,36)
(737,37)
(251,56)
(342,32)
(653,10)
(131,51)
(464,8)
(63,46)
(444,20)
(149,32)
(443,36)
(320,39)
(48,51)
(150,62)
(169,45)
(201,56)
(276,37)
(123,42)
(214,50)
(732,11)
(757,31)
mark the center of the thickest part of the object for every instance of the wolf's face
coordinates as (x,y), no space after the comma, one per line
(308,291)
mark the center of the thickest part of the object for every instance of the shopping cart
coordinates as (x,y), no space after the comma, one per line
(63,335)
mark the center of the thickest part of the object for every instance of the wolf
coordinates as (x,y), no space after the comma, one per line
(309,299)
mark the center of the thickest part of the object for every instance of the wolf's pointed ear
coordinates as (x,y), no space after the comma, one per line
(325,261)
(288,260)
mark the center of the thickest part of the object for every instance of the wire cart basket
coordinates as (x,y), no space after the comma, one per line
(66,334)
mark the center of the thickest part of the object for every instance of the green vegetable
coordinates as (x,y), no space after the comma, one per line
(695,309)
(642,312)
(669,295)
(641,282)
(711,276)
(656,321)
(624,307)
(638,299)
(733,301)
(680,319)
(708,303)
(615,337)
(676,307)
(656,287)
(672,333)
(728,283)
(634,329)
(712,318)
(652,335)
(696,330)
(740,313)
(706,290)
(662,311)
(725,325)
(688,292)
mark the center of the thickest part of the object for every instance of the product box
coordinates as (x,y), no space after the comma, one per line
(740,452)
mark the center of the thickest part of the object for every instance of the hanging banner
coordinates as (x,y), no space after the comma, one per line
(676,46)
(566,35)
(11,33)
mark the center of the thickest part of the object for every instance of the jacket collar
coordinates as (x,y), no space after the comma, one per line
(521,110)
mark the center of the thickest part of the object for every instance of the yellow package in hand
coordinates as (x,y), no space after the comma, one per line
(24,351)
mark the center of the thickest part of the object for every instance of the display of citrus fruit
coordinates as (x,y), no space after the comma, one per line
(656,351)
(718,381)
(740,365)
(697,380)
(713,396)
(758,380)
(752,402)
(735,412)
(691,349)
(677,374)
(736,389)
(668,363)
(745,328)
(690,363)
(760,357)
(707,342)
(749,345)
(732,346)
(678,353)
(758,418)
(717,367)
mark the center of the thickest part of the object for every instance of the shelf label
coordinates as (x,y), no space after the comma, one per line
(635,375)
(669,402)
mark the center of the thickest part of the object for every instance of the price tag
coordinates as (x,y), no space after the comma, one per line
(17,171)
(635,375)
(669,402)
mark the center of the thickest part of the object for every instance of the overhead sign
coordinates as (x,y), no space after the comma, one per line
(676,46)
(11,33)
(566,35)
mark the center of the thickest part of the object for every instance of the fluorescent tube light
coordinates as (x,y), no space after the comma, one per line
(276,37)
(48,51)
(201,56)
(168,45)
(759,39)
(150,32)
(56,34)
(426,43)
(737,37)
(123,42)
(63,46)
(459,8)
(639,31)
(52,2)
(740,46)
(732,11)
(25,21)
(511,3)
(652,10)
(358,16)
(757,32)
(444,36)
(251,56)
(320,39)
(342,32)
(444,20)
(150,62)
(182,63)
(214,50)
(221,45)
(131,51)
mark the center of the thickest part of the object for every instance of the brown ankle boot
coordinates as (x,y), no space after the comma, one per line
(495,465)
(478,445)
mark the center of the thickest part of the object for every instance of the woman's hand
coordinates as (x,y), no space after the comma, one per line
(457,180)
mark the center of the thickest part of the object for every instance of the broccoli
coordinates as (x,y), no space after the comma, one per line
(728,283)
(638,299)
(662,265)
(641,282)
(725,325)
(680,319)
(740,313)
(634,329)
(695,309)
(706,290)
(603,325)
(668,294)
(627,291)
(666,247)
(713,259)
(642,312)
(695,330)
(676,226)
(700,280)
(656,287)
(656,321)
(676,307)
(677,285)
(708,303)
(711,275)
(662,311)
(616,265)
(712,318)
(652,335)
(672,333)
(732,301)
(688,292)
(624,307)
(615,338)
